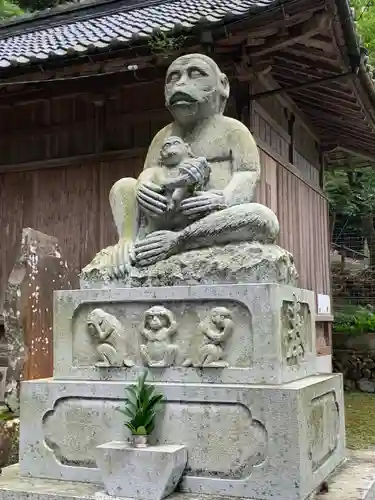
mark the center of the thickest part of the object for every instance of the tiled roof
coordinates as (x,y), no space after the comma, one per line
(81,34)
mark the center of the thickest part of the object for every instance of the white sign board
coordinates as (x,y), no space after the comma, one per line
(324,304)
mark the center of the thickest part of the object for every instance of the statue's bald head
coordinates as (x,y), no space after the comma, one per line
(195,88)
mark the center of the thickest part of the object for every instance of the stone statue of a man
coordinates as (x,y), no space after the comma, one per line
(196,92)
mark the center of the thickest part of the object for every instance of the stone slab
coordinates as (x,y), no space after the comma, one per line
(150,473)
(268,442)
(273,339)
(354,479)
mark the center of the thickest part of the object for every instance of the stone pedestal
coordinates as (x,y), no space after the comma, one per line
(266,442)
(273,337)
(236,365)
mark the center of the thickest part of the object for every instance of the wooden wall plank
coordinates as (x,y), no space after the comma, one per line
(303,216)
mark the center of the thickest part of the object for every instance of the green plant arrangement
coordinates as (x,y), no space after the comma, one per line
(141,404)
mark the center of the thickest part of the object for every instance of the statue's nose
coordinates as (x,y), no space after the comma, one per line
(182,80)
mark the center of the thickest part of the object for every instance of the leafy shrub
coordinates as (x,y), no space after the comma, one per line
(355,321)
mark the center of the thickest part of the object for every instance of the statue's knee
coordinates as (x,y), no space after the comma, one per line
(107,351)
(209,350)
(127,184)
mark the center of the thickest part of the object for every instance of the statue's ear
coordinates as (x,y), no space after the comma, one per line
(224,85)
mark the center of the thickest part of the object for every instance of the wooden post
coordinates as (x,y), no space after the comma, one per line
(28,309)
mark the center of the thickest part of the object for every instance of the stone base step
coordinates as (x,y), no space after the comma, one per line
(353,480)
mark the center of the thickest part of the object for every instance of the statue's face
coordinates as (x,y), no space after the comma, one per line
(94,317)
(219,316)
(191,89)
(155,320)
(219,320)
(174,150)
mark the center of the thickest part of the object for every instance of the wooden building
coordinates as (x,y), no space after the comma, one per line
(81,95)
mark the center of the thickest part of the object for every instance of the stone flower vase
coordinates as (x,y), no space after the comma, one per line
(149,472)
(140,441)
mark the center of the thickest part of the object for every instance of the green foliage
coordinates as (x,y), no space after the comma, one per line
(141,405)
(351,192)
(339,192)
(9,9)
(355,321)
(365,16)
(35,5)
(164,44)
(6,414)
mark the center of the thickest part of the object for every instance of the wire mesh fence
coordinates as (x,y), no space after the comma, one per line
(353,272)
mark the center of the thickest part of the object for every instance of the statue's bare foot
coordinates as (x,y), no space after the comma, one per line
(120,260)
(103,364)
(155,247)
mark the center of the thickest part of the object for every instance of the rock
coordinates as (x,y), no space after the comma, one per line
(39,269)
(353,373)
(233,263)
(349,385)
(366,385)
(369,363)
(366,373)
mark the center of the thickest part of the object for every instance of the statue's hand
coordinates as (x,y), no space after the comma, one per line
(150,199)
(197,169)
(202,204)
(155,247)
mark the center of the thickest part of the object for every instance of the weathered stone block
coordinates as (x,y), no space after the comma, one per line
(259,333)
(245,262)
(265,442)
(150,473)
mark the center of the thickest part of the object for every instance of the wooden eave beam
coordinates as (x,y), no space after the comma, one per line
(354,127)
(306,59)
(342,95)
(300,85)
(321,105)
(269,83)
(357,154)
(318,22)
(323,97)
(342,132)
(322,43)
(105,83)
(92,84)
(288,14)
(304,68)
(364,135)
